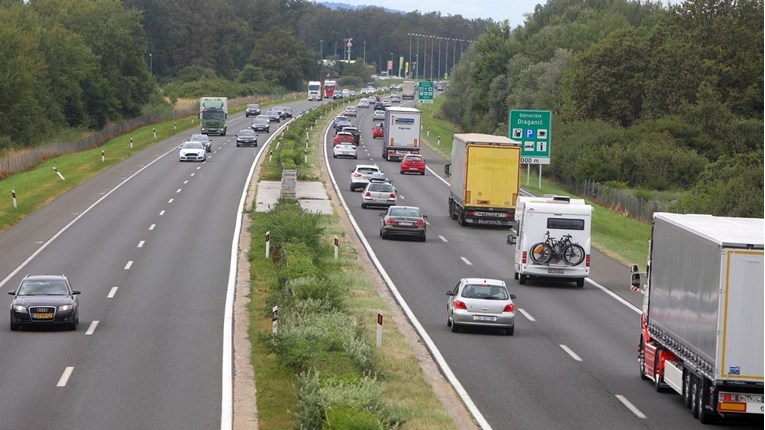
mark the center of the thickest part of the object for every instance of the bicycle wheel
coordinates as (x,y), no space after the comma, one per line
(540,253)
(573,254)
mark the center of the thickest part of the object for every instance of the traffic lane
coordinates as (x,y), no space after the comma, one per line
(174,296)
(93,255)
(523,367)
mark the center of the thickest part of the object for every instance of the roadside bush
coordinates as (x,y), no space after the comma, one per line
(318,289)
(296,261)
(289,223)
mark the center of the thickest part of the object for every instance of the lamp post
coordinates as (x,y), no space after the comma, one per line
(417,56)
(410,52)
(432,45)
(390,65)
(321,58)
(416,65)
(365,52)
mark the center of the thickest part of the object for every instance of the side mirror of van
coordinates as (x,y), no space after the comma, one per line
(511,240)
(447,168)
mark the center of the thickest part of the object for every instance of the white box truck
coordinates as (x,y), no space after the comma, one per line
(408,90)
(701,329)
(553,238)
(401,132)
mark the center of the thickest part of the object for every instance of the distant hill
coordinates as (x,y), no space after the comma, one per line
(337,6)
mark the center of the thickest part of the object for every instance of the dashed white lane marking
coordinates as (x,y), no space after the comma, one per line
(630,406)
(526,314)
(162,212)
(140,244)
(570,352)
(112,292)
(178,190)
(443,239)
(151,227)
(129,265)
(92,328)
(186,181)
(194,173)
(170,201)
(65,377)
(466,261)
(199,167)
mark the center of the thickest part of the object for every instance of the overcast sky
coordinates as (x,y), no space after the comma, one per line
(498,10)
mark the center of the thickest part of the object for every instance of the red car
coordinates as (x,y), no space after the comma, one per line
(413,163)
(378,132)
(344,137)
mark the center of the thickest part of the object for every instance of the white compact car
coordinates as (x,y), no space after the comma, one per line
(360,175)
(192,151)
(345,150)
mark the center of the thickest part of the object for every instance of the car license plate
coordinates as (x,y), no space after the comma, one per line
(406,223)
(489,221)
(43,316)
(555,271)
(483,318)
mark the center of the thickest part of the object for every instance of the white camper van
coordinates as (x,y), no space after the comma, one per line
(553,238)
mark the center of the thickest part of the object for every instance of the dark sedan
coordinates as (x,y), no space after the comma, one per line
(403,221)
(252,110)
(45,300)
(274,115)
(247,137)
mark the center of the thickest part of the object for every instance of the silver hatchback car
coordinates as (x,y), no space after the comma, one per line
(480,302)
(378,194)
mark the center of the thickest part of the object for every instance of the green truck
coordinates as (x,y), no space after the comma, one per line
(213,113)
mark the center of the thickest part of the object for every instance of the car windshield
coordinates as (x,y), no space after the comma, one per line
(199,138)
(486,292)
(260,120)
(415,159)
(382,188)
(43,288)
(215,115)
(404,212)
(192,145)
(366,170)
(247,133)
(252,106)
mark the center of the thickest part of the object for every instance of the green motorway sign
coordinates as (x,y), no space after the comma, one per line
(533,129)
(425,92)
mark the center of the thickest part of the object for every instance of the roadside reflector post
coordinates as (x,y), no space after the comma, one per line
(192,119)
(275,320)
(428,133)
(379,328)
(439,140)
(268,244)
(337,248)
(174,127)
(13,196)
(59,174)
(154,131)
(103,156)
(131,143)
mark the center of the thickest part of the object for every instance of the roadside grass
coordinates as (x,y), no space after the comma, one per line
(37,187)
(434,126)
(395,370)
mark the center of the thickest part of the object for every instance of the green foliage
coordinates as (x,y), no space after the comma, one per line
(288,223)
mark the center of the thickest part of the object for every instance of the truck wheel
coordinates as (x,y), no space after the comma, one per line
(695,392)
(522,279)
(687,388)
(706,416)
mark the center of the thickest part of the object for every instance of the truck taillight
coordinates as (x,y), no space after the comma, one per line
(587,260)
(469,213)
(509,308)
(459,304)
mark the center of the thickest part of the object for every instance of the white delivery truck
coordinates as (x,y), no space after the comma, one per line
(408,90)
(553,238)
(701,329)
(315,91)
(401,132)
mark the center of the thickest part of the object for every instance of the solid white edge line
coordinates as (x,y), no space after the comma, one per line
(112,292)
(526,314)
(447,371)
(65,377)
(570,352)
(227,384)
(77,218)
(91,328)
(630,406)
(614,295)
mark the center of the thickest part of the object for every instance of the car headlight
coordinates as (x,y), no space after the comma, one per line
(19,308)
(64,308)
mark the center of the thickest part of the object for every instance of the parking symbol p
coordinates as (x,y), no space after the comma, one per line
(529,133)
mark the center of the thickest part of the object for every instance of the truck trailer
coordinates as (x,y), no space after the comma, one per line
(408,90)
(701,328)
(566,219)
(485,179)
(213,115)
(401,132)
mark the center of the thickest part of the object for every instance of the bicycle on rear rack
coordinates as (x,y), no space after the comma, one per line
(552,250)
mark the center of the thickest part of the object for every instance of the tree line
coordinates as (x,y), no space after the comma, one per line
(643,96)
(79,64)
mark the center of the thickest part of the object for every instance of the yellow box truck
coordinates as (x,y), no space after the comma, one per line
(485,179)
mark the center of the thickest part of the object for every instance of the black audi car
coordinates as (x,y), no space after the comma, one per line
(42,300)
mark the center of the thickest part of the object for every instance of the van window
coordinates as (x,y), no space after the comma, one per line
(565,223)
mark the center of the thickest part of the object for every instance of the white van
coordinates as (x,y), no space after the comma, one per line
(553,238)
